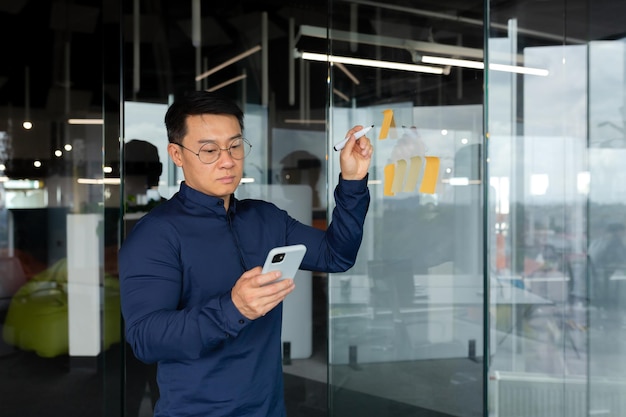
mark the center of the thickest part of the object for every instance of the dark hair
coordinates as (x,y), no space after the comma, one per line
(197,103)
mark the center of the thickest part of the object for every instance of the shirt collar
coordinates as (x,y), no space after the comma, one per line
(195,196)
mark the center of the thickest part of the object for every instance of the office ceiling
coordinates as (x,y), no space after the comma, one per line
(47,71)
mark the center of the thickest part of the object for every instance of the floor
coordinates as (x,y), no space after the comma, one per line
(68,388)
(436,387)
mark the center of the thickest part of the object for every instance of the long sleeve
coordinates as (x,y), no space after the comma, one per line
(152,289)
(336,249)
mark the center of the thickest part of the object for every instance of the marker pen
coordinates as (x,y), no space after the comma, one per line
(357,135)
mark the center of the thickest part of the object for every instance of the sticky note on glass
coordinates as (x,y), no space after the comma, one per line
(388,123)
(431,174)
(389,174)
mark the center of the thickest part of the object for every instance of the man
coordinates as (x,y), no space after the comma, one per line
(193,296)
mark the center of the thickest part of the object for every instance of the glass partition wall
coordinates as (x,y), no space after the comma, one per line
(497,290)
(556,132)
(406,328)
(59,154)
(489,281)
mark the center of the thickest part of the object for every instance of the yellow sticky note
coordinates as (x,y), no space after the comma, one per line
(388,122)
(431,173)
(415,169)
(398,179)
(389,172)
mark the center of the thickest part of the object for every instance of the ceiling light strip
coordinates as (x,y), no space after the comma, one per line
(98,181)
(480,65)
(310,56)
(85,121)
(519,70)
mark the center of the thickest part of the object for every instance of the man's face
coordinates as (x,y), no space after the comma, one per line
(221,178)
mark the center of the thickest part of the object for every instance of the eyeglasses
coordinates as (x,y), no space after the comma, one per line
(210,152)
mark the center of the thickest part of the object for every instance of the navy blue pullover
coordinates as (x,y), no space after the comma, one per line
(177,269)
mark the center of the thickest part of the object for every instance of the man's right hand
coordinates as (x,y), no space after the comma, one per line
(254,293)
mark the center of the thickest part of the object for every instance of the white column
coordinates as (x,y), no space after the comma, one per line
(83,284)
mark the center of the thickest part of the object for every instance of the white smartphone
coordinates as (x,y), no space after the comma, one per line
(285,259)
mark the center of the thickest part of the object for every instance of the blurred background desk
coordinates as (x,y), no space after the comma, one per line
(406,317)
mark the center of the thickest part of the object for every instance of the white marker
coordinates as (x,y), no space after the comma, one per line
(357,135)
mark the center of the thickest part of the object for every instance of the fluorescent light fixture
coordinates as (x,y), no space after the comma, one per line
(229,62)
(459,181)
(462,181)
(23,184)
(98,181)
(247,180)
(227,82)
(310,56)
(85,121)
(480,65)
(453,62)
(519,70)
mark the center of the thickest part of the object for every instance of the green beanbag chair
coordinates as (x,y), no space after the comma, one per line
(37,318)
